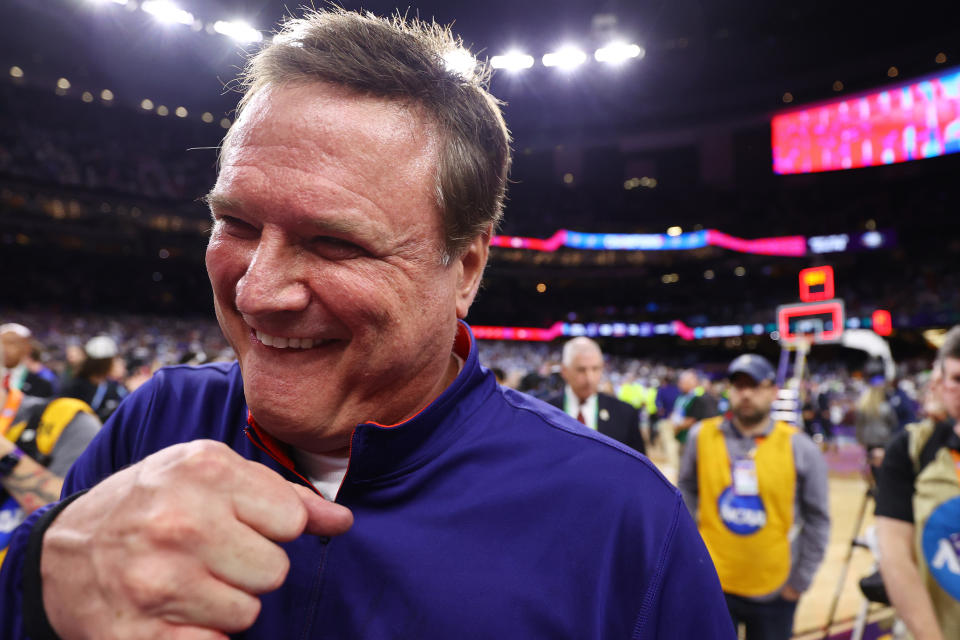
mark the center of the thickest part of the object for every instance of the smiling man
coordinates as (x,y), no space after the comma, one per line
(357,193)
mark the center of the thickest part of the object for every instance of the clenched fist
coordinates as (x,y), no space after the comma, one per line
(177,546)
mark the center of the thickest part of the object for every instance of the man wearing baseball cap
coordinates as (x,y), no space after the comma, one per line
(749,480)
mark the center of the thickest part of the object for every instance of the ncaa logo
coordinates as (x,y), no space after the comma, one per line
(741,514)
(10,516)
(941,546)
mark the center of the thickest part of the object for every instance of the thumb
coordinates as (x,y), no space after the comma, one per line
(324,518)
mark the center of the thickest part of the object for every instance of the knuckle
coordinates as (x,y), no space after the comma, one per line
(280,566)
(172,527)
(146,588)
(207,460)
(247,612)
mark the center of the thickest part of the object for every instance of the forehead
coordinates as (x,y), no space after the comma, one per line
(743,380)
(316,146)
(587,358)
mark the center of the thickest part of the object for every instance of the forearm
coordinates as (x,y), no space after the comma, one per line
(902,580)
(31,485)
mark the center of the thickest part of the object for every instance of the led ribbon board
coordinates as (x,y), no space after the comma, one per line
(777,246)
(909,122)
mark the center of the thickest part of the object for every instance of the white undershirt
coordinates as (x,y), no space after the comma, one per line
(573,406)
(326,473)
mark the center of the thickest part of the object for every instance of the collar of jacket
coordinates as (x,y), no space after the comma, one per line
(379,452)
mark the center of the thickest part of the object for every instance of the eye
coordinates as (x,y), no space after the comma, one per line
(333,248)
(237,227)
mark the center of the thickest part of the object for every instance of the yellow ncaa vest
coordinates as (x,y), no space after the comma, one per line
(747,535)
(37,441)
(936,515)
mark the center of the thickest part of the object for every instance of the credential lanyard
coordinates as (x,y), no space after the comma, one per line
(956,462)
(10,408)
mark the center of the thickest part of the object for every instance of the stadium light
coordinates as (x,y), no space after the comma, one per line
(460,61)
(106,95)
(121,2)
(16,72)
(618,52)
(512,61)
(237,30)
(167,12)
(566,58)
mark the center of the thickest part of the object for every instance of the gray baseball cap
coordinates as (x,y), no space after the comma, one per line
(757,367)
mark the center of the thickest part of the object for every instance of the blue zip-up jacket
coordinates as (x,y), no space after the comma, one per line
(488,515)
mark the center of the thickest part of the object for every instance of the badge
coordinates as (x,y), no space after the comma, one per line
(742,515)
(745,481)
(604,415)
(941,545)
(11,515)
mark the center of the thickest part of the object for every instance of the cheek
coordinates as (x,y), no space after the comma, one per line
(225,267)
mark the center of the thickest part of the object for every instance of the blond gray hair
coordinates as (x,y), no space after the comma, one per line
(406,60)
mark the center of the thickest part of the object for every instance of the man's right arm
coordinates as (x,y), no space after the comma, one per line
(898,566)
(183,515)
(895,536)
(687,475)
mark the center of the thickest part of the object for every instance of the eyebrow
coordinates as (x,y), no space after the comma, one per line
(220,201)
(216,200)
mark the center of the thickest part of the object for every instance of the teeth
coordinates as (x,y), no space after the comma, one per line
(285,343)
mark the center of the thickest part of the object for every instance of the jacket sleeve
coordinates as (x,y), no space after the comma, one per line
(687,476)
(814,512)
(686,577)
(109,450)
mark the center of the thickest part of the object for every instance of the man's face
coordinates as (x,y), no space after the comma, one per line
(325,261)
(583,373)
(15,348)
(687,383)
(750,401)
(950,387)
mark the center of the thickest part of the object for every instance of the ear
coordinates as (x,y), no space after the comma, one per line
(470,266)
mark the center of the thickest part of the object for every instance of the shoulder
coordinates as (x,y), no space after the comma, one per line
(553,437)
(554,400)
(204,374)
(181,398)
(806,453)
(614,404)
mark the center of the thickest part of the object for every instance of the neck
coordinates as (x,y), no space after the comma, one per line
(751,430)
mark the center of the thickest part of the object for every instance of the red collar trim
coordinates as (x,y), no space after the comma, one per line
(461,348)
(274,447)
(461,343)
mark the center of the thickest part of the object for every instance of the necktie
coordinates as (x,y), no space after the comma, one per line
(580,415)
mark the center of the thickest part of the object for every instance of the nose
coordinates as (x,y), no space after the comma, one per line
(274,280)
